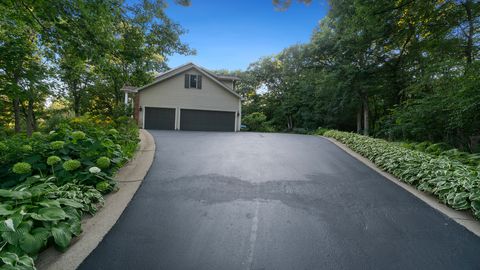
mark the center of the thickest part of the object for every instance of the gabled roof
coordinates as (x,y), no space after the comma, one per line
(175,71)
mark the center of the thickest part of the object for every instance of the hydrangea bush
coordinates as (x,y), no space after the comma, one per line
(50,180)
(69,151)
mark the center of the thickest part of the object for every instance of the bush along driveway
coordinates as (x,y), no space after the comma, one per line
(456,184)
(51,180)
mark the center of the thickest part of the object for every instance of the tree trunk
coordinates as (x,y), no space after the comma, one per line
(31,113)
(359,119)
(365,116)
(76,99)
(289,122)
(471,31)
(76,105)
(30,117)
(16,113)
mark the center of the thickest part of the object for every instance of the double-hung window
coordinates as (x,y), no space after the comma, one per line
(193,81)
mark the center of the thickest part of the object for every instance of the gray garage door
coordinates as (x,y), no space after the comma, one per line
(159,118)
(207,120)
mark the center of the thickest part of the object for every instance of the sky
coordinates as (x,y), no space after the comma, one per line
(231,34)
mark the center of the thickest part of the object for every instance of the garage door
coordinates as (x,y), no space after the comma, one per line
(207,120)
(160,118)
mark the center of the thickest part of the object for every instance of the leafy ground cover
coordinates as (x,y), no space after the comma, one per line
(50,180)
(453,182)
(443,149)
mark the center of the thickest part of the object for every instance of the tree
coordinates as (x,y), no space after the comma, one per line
(396,69)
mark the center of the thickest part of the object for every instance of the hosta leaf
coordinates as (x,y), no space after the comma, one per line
(475,195)
(49,203)
(10,224)
(49,214)
(4,210)
(14,194)
(27,262)
(76,228)
(41,234)
(14,262)
(62,237)
(13,237)
(70,202)
(30,244)
(476,208)
(72,213)
(9,258)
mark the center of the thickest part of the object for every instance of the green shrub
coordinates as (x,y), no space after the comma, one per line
(26,148)
(103,162)
(422,146)
(84,139)
(454,183)
(103,186)
(37,213)
(3,147)
(56,145)
(436,148)
(257,121)
(78,135)
(52,160)
(22,168)
(71,165)
(112,131)
(37,135)
(320,131)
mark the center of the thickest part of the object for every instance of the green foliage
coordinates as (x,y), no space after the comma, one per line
(443,149)
(454,183)
(71,165)
(22,168)
(52,160)
(320,131)
(78,135)
(92,47)
(70,151)
(257,121)
(56,145)
(103,162)
(401,70)
(37,213)
(103,187)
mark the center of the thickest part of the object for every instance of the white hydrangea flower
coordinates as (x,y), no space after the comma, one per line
(94,170)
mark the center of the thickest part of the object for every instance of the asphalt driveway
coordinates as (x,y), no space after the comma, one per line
(275,201)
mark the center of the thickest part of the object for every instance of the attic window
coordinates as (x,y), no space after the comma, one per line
(193,81)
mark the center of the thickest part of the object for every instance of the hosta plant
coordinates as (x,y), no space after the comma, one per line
(453,182)
(37,213)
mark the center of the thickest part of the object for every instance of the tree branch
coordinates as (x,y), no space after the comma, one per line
(394,8)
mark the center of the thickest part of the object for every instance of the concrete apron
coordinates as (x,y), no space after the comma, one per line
(94,228)
(463,218)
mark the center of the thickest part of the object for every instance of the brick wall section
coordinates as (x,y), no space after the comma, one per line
(136,107)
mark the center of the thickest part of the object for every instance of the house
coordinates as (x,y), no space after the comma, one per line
(188,97)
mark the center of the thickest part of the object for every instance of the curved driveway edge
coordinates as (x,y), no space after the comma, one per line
(461,217)
(129,178)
